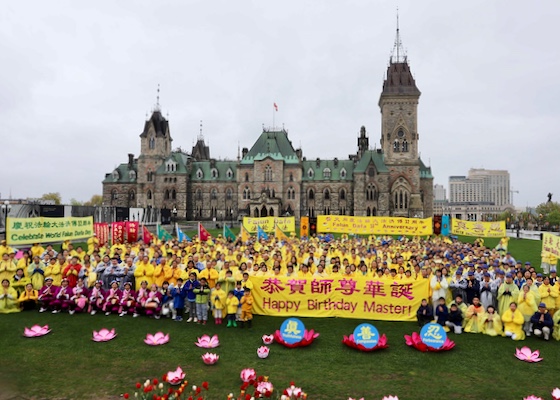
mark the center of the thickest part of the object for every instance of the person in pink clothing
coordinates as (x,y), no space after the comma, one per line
(79,299)
(47,295)
(63,300)
(128,300)
(112,300)
(96,298)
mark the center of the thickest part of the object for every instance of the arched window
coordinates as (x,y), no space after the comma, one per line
(267,173)
(311,194)
(150,176)
(246,177)
(229,194)
(214,173)
(401,199)
(198,194)
(310,173)
(343,173)
(166,194)
(342,194)
(229,173)
(114,194)
(256,213)
(291,177)
(291,193)
(327,194)
(396,146)
(131,194)
(246,193)
(132,175)
(271,212)
(213,194)
(371,193)
(174,194)
(115,175)
(152,143)
(199,174)
(327,173)
(149,195)
(405,146)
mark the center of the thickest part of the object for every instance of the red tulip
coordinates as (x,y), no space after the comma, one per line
(126,396)
(155,381)
(205,385)
(138,385)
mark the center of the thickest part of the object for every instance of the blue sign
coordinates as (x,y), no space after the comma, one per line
(367,335)
(433,335)
(292,330)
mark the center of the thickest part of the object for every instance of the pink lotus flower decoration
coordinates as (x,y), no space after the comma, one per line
(556,394)
(264,387)
(268,339)
(36,331)
(210,358)
(175,377)
(532,397)
(416,341)
(248,375)
(350,342)
(104,335)
(293,391)
(158,339)
(308,338)
(390,398)
(525,354)
(263,352)
(207,342)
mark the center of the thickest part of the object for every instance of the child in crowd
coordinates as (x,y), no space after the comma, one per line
(441,312)
(247,309)
(80,297)
(96,298)
(113,298)
(62,301)
(238,292)
(202,294)
(424,314)
(219,297)
(189,287)
(166,300)
(128,300)
(455,319)
(492,323)
(141,297)
(178,301)
(28,299)
(232,304)
(152,306)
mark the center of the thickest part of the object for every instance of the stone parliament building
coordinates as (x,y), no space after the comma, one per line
(274,179)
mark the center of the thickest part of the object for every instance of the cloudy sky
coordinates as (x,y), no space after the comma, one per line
(78,79)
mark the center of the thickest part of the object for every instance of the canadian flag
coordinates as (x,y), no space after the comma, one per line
(275,106)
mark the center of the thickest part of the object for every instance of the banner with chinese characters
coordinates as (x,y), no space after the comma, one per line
(22,231)
(360,297)
(374,225)
(478,229)
(101,230)
(132,228)
(551,244)
(267,224)
(117,232)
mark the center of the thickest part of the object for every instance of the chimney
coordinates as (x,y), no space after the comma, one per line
(130,160)
(299,153)
(244,152)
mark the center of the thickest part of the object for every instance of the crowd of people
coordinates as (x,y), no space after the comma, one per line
(472,288)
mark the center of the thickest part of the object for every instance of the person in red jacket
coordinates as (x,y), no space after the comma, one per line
(71,272)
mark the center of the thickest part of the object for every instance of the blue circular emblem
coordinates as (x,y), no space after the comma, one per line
(367,335)
(433,335)
(292,330)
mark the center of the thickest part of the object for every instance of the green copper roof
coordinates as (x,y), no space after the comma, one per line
(425,172)
(180,161)
(202,171)
(318,170)
(272,144)
(371,156)
(122,174)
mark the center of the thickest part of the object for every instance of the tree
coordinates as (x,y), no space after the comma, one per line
(52,197)
(74,202)
(548,213)
(96,200)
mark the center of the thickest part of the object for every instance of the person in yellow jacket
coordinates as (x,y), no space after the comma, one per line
(53,270)
(144,272)
(7,267)
(24,262)
(36,272)
(231,305)
(162,272)
(5,249)
(527,306)
(8,298)
(247,308)
(493,323)
(475,316)
(174,273)
(28,298)
(19,281)
(211,275)
(556,329)
(92,243)
(219,298)
(549,294)
(513,322)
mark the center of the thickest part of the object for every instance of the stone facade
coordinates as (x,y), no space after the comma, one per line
(274,179)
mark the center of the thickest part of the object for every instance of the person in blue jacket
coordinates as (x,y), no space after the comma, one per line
(178,301)
(190,285)
(425,313)
(542,322)
(441,312)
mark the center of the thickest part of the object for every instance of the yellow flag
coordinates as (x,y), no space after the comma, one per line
(279,234)
(244,234)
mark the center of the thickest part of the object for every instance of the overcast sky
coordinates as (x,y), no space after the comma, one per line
(78,78)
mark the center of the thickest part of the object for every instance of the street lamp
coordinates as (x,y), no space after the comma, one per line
(6,207)
(174,212)
(231,215)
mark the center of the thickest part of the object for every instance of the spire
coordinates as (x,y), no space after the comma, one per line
(200,136)
(158,108)
(398,55)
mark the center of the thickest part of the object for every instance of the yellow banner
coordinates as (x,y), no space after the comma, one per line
(286,224)
(551,244)
(374,225)
(478,229)
(360,297)
(43,230)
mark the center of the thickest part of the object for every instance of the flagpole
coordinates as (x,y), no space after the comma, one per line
(273,115)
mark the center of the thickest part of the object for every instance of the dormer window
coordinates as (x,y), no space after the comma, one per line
(214,173)
(199,174)
(132,175)
(310,173)
(327,173)
(229,173)
(343,173)
(115,175)
(170,166)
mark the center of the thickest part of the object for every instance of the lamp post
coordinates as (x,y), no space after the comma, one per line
(174,212)
(231,215)
(6,207)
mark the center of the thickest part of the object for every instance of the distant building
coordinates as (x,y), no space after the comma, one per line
(274,179)
(480,196)
(439,192)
